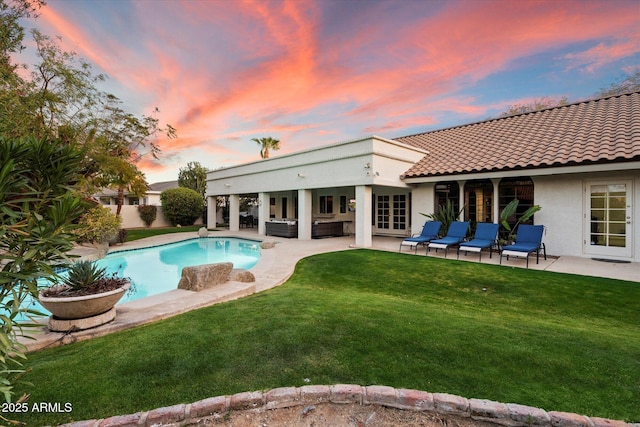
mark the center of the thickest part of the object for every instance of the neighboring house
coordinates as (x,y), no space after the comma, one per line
(129,214)
(152,197)
(579,162)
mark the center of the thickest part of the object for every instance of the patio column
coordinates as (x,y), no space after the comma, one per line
(263,212)
(234,212)
(211,211)
(461,201)
(496,199)
(305,217)
(363,216)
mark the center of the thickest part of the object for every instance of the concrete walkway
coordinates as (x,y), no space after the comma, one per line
(274,268)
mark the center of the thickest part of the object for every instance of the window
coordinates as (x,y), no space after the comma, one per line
(445,191)
(326,204)
(343,204)
(478,195)
(520,188)
(284,208)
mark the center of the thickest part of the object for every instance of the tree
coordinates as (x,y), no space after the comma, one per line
(181,206)
(193,176)
(39,209)
(61,100)
(536,105)
(12,34)
(267,144)
(122,140)
(630,82)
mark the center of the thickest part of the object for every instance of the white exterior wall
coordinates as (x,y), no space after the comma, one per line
(366,161)
(131,217)
(563,199)
(422,201)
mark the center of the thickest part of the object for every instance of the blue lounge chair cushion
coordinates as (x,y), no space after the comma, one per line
(522,247)
(486,234)
(448,241)
(477,243)
(456,234)
(429,232)
(420,239)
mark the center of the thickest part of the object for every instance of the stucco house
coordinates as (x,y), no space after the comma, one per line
(109,196)
(579,162)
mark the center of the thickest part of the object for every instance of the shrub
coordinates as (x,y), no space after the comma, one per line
(181,206)
(98,225)
(38,212)
(148,214)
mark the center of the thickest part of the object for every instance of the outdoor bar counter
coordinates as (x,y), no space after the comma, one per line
(321,229)
(287,229)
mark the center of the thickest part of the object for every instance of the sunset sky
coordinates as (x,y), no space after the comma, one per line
(323,71)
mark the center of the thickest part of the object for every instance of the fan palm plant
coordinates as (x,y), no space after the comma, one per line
(267,144)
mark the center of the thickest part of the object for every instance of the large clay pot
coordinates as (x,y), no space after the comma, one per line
(67,308)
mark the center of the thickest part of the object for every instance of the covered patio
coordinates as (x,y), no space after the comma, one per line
(352,187)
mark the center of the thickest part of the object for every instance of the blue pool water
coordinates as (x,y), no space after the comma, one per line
(158,269)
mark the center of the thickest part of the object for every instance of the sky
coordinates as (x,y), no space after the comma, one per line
(317,72)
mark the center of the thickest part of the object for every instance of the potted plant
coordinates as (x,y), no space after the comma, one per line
(85,298)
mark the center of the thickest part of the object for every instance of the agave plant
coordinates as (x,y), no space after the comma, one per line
(83,274)
(446,214)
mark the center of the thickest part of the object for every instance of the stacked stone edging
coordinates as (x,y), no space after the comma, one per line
(507,414)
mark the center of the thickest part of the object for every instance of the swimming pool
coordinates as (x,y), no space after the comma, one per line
(158,269)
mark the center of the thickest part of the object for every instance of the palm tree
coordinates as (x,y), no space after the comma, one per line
(266,144)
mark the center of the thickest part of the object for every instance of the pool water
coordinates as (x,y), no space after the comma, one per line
(158,269)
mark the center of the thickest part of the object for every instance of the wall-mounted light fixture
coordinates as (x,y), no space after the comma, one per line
(227,185)
(367,166)
(301,175)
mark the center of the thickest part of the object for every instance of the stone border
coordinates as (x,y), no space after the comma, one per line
(507,414)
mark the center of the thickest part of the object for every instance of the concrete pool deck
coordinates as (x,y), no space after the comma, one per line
(274,268)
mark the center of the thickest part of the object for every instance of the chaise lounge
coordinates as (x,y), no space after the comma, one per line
(528,240)
(429,232)
(485,237)
(455,235)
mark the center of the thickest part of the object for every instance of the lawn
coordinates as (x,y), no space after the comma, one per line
(556,341)
(141,233)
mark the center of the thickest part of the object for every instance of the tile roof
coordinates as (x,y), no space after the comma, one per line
(594,131)
(164,185)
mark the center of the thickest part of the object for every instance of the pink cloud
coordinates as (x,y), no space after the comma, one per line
(231,71)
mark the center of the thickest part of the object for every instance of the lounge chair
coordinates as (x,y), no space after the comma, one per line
(486,236)
(429,232)
(528,240)
(455,235)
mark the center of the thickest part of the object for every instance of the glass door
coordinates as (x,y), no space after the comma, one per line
(608,219)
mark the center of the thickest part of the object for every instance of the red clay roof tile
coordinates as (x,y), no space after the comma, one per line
(595,131)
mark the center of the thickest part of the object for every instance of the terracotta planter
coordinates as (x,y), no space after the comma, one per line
(67,308)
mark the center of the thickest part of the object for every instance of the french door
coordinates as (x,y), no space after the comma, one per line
(608,218)
(391,213)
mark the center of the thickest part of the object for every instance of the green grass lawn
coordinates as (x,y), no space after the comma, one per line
(141,233)
(556,341)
